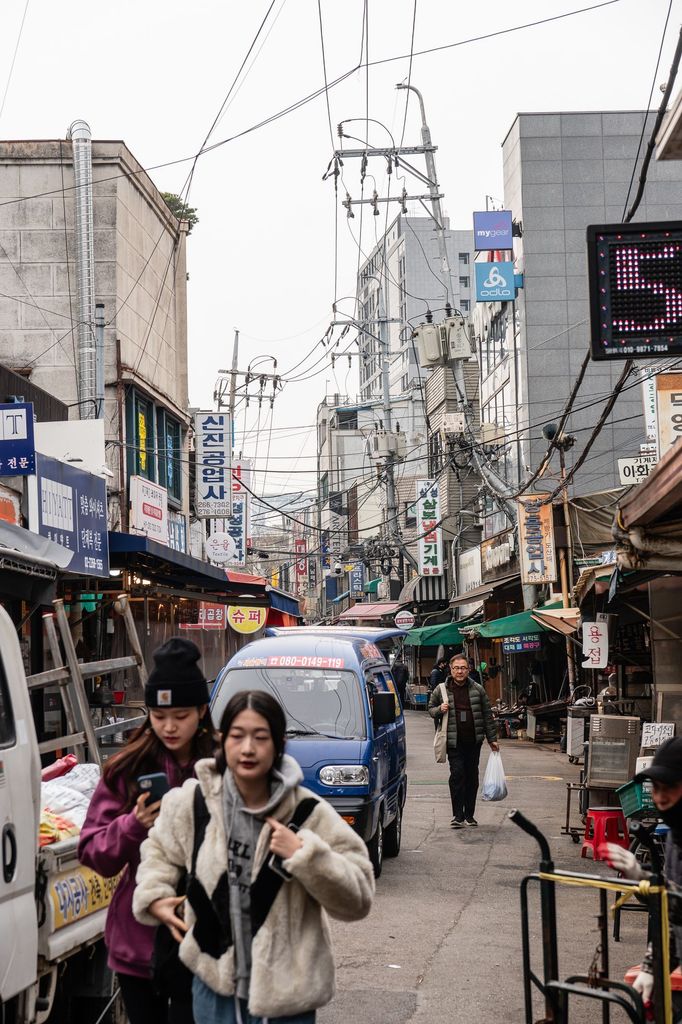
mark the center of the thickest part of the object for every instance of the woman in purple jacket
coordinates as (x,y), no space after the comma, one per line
(177,733)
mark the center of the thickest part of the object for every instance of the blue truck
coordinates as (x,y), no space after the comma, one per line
(345,724)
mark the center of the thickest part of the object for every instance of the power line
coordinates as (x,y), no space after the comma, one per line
(14,58)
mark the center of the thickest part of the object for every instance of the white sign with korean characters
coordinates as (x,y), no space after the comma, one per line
(655,734)
(148,509)
(595,644)
(213,455)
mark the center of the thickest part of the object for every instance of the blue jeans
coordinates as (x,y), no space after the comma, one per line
(211,1008)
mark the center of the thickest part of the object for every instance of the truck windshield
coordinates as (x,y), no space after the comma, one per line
(316,702)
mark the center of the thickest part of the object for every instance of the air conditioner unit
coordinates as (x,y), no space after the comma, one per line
(429,345)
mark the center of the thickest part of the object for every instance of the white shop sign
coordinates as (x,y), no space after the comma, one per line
(148,509)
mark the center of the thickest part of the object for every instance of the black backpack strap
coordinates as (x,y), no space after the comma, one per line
(201,819)
(267,883)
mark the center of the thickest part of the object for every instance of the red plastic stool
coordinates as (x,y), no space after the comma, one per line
(604,825)
(675,977)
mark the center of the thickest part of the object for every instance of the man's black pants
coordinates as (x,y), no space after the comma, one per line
(464,760)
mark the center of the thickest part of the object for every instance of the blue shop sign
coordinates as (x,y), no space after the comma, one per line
(357,579)
(72,511)
(493,230)
(521,642)
(495,282)
(17,447)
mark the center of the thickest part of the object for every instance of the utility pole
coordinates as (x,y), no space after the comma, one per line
(496,484)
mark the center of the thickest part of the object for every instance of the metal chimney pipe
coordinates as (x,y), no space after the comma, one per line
(81,139)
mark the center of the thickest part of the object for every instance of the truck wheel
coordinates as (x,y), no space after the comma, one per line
(393,834)
(375,848)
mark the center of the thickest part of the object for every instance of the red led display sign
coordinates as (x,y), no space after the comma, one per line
(635,274)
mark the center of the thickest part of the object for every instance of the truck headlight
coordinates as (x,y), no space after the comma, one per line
(344,775)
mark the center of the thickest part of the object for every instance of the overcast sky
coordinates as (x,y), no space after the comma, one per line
(262,257)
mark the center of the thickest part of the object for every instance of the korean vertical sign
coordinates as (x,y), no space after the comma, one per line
(536,539)
(213,454)
(429,529)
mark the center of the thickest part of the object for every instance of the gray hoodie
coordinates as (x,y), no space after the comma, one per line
(242,828)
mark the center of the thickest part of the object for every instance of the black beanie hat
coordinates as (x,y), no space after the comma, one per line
(176,681)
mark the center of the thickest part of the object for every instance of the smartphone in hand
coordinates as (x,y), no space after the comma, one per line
(156,784)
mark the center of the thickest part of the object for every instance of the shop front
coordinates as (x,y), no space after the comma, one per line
(648,527)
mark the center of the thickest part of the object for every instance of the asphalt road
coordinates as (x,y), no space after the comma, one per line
(443,940)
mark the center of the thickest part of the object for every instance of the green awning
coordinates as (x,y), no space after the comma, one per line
(372,586)
(512,625)
(447,634)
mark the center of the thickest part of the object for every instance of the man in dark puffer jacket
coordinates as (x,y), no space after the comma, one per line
(470,721)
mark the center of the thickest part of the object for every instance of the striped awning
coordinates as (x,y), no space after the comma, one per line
(424,589)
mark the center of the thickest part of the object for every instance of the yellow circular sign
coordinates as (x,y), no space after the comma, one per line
(245,619)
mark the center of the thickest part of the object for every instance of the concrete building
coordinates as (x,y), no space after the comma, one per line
(351,489)
(563,171)
(140,276)
(400,280)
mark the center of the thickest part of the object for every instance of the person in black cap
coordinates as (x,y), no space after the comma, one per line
(665,775)
(175,735)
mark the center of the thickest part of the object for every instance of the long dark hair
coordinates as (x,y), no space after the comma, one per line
(263,704)
(144,753)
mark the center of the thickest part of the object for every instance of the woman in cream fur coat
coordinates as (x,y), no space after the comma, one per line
(254,929)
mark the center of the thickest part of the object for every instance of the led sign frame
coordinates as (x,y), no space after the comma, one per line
(635,281)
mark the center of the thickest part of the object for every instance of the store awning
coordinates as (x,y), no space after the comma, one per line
(372,586)
(424,590)
(369,612)
(589,578)
(483,592)
(340,597)
(447,634)
(282,601)
(561,620)
(512,625)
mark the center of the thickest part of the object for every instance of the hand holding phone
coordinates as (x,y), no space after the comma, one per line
(155,784)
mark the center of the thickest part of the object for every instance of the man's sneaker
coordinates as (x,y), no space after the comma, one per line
(457,823)
(471,822)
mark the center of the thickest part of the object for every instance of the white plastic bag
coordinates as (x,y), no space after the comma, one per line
(494,783)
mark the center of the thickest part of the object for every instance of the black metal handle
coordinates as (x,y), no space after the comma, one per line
(645,836)
(532,830)
(9,853)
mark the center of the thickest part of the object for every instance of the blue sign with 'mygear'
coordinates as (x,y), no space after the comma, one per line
(17,447)
(495,282)
(72,511)
(493,230)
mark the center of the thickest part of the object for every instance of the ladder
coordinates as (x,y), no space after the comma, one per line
(70,677)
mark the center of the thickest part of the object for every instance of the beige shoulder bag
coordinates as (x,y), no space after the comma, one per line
(440,740)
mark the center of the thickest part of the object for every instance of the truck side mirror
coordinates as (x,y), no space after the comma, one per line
(384,709)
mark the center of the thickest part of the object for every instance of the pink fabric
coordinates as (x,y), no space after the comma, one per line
(110,842)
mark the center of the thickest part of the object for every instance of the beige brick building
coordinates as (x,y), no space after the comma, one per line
(140,277)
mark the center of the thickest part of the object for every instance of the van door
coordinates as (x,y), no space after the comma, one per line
(387,744)
(19,820)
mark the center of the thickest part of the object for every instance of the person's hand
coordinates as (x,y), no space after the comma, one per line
(146,815)
(283,842)
(621,860)
(644,984)
(165,910)
(444,707)
(494,746)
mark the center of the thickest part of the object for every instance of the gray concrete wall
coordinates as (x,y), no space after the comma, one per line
(140,276)
(562,172)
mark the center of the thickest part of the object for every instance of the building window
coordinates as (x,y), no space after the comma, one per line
(154,444)
(464,305)
(464,282)
(464,257)
(143,438)
(169,433)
